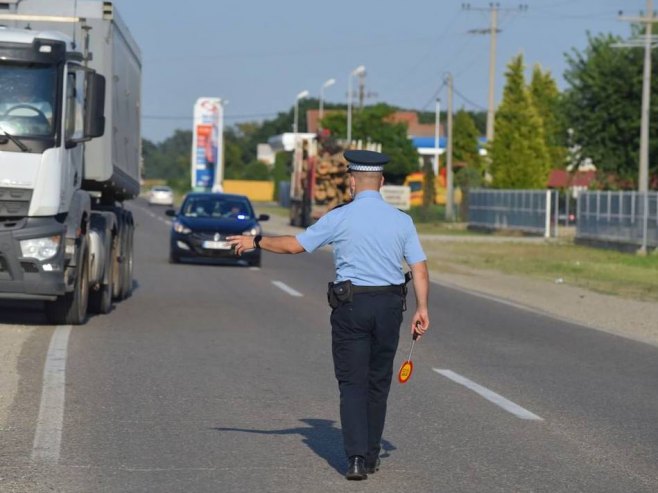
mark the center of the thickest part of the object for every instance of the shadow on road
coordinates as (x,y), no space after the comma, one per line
(321,437)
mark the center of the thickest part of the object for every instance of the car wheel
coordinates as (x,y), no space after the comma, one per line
(173,258)
(255,263)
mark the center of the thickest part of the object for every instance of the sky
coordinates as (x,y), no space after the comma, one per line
(259,54)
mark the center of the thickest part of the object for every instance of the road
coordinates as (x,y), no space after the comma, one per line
(219,378)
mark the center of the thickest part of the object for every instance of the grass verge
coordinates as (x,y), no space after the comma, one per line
(603,271)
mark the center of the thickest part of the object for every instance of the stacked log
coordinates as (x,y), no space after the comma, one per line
(331,182)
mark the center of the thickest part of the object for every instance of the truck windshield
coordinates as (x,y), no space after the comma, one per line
(27,99)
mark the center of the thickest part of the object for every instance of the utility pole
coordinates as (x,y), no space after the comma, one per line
(450,214)
(648,42)
(494,9)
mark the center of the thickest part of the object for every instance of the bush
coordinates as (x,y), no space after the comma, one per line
(433,213)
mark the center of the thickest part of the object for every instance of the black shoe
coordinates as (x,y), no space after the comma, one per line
(356,469)
(373,467)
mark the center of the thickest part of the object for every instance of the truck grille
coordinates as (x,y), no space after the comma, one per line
(14,202)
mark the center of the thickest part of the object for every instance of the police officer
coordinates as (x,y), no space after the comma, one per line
(370,239)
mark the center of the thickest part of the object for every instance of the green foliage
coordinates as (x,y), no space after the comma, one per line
(432,213)
(465,140)
(547,100)
(281,170)
(256,170)
(466,179)
(603,105)
(170,159)
(370,125)
(519,158)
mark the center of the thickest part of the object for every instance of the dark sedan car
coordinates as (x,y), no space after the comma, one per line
(205,220)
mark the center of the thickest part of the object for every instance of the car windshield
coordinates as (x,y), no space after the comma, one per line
(162,189)
(217,207)
(27,99)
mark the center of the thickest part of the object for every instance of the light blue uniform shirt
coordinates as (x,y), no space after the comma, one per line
(370,238)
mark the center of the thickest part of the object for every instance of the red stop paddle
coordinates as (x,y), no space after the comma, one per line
(407,367)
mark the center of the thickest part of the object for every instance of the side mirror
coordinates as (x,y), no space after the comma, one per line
(264,217)
(171,212)
(95,110)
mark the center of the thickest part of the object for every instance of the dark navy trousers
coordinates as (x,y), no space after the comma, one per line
(365,336)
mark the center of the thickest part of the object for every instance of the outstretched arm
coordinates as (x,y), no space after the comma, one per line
(276,244)
(421,281)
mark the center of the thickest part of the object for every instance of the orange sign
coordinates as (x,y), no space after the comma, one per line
(405,371)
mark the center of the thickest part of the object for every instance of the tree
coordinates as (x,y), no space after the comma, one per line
(603,105)
(465,140)
(429,190)
(170,159)
(370,125)
(547,100)
(519,158)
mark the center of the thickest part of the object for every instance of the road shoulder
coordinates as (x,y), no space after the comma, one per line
(624,317)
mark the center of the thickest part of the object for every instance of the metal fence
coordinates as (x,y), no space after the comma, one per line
(618,217)
(532,211)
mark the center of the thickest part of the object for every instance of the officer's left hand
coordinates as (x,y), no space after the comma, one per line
(241,243)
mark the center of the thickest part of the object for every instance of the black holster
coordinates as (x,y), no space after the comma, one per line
(339,293)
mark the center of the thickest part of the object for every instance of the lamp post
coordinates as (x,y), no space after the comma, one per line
(360,70)
(437,128)
(327,83)
(301,95)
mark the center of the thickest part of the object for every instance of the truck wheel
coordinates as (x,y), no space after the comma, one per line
(100,300)
(71,308)
(124,283)
(128,258)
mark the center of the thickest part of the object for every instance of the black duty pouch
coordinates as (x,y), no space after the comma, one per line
(339,293)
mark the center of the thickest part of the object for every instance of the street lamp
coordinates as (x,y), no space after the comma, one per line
(327,83)
(301,95)
(360,70)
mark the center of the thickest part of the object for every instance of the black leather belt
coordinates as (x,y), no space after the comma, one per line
(395,288)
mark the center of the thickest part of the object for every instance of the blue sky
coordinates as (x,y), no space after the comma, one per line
(259,54)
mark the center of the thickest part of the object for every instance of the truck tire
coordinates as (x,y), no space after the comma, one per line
(100,300)
(128,260)
(124,285)
(71,308)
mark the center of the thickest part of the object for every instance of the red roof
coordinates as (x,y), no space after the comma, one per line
(410,118)
(561,178)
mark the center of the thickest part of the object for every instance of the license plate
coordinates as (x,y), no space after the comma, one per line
(217,245)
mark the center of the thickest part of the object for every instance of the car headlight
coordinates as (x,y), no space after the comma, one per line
(252,232)
(181,228)
(40,248)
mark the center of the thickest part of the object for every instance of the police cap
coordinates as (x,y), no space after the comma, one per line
(366,160)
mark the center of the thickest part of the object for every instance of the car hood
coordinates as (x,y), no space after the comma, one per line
(218,225)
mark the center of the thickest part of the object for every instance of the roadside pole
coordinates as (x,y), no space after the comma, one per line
(450,214)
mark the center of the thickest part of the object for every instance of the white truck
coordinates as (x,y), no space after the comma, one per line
(70,152)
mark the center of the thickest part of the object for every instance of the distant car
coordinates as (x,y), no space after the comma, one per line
(161,195)
(204,221)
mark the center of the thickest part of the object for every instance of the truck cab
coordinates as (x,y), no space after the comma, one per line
(63,231)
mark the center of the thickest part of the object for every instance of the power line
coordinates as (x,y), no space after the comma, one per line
(494,9)
(469,101)
(190,117)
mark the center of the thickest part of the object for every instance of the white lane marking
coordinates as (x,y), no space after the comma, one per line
(48,433)
(254,268)
(283,286)
(489,395)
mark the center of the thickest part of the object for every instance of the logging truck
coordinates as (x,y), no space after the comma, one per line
(319,180)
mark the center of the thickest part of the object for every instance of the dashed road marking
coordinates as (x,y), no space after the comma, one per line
(48,433)
(489,395)
(283,286)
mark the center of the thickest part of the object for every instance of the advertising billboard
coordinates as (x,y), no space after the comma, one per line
(207,172)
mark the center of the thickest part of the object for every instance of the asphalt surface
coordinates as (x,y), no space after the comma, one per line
(214,378)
